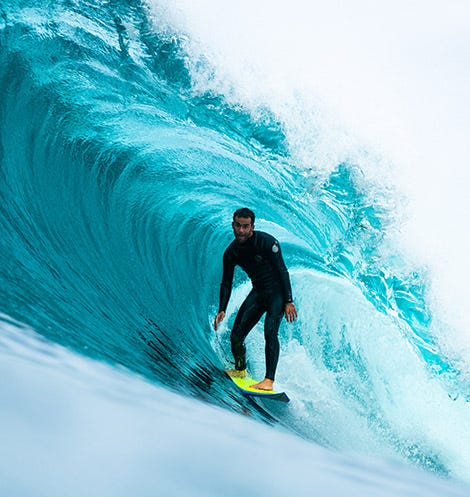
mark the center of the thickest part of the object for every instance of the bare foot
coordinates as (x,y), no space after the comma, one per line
(266,384)
(237,373)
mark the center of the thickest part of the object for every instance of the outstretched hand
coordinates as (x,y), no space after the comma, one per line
(290,312)
(218,319)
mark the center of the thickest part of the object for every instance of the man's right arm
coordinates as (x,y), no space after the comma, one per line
(225,287)
(227,280)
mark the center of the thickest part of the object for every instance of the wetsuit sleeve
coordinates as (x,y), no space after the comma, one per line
(275,256)
(227,279)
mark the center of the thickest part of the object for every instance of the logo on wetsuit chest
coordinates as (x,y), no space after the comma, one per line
(274,248)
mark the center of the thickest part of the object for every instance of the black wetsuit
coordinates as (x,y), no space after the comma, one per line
(261,258)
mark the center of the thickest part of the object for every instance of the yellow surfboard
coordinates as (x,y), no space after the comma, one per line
(245,385)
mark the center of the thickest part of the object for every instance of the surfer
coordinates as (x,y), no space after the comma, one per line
(259,255)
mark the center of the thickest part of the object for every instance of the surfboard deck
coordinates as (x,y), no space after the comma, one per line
(244,384)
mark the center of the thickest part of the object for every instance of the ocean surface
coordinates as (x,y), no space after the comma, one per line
(125,145)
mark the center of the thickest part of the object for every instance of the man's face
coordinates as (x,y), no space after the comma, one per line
(242,228)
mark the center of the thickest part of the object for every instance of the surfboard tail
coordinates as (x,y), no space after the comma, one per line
(245,386)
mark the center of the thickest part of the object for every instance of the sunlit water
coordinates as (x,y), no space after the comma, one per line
(119,174)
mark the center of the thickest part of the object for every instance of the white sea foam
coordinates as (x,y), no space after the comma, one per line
(73,426)
(384,85)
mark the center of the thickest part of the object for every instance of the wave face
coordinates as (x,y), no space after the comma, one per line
(118,182)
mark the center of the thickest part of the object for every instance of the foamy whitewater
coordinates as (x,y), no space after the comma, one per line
(130,131)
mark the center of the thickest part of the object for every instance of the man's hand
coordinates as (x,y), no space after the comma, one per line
(290,312)
(218,319)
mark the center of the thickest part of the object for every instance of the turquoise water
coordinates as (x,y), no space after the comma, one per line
(118,181)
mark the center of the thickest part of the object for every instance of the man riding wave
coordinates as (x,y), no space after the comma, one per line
(259,255)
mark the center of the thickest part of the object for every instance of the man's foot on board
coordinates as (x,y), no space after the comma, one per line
(266,384)
(237,373)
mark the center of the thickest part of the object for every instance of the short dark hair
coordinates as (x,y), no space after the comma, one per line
(244,212)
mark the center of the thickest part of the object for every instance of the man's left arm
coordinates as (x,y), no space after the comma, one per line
(277,260)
